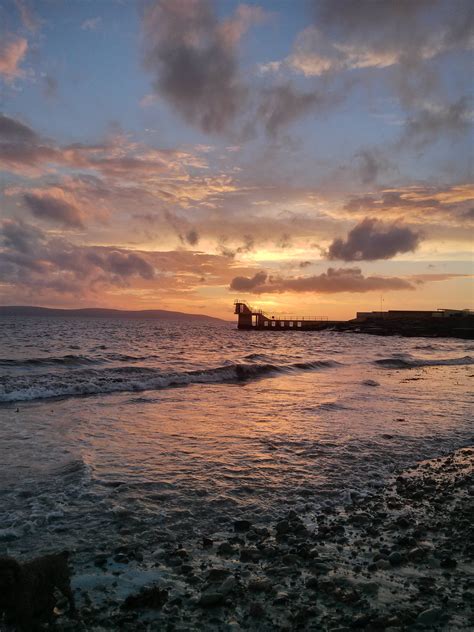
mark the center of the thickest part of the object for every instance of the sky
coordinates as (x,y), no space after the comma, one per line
(308,156)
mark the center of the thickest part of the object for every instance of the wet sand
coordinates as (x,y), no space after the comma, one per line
(401,559)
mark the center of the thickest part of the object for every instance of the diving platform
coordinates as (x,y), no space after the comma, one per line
(251,318)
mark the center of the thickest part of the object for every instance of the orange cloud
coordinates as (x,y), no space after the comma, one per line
(12,51)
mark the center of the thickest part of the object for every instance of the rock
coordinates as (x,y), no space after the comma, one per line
(250,554)
(217,574)
(259,585)
(417,553)
(395,558)
(227,585)
(207,543)
(282,527)
(382,565)
(121,558)
(209,599)
(448,562)
(281,598)
(100,560)
(429,617)
(312,583)
(256,610)
(149,597)
(241,526)
(225,549)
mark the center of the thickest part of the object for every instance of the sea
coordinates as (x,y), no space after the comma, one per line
(115,430)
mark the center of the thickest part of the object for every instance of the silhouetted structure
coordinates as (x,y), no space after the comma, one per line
(453,323)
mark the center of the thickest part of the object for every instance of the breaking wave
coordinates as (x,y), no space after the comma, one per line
(410,363)
(135,379)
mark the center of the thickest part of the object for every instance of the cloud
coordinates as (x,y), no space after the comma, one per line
(354,34)
(283,104)
(246,284)
(193,59)
(418,204)
(370,164)
(333,281)
(29,20)
(432,123)
(371,239)
(12,51)
(42,266)
(53,208)
(12,130)
(192,237)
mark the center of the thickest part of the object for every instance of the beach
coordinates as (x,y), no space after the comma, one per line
(401,560)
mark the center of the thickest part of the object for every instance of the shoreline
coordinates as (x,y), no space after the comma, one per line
(400,559)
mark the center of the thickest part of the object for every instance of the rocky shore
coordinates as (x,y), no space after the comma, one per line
(401,559)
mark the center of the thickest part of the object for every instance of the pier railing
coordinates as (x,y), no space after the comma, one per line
(284,316)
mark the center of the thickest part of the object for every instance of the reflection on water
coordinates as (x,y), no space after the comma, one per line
(122,464)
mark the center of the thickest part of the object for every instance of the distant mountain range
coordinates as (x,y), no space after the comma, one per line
(97,312)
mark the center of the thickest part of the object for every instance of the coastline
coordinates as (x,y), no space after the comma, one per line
(400,559)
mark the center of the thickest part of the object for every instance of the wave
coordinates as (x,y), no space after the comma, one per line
(410,363)
(66,360)
(135,379)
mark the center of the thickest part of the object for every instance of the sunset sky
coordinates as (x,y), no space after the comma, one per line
(312,157)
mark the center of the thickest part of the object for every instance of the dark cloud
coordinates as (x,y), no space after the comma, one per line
(430,124)
(192,237)
(194,62)
(122,264)
(283,104)
(370,163)
(246,284)
(333,281)
(51,208)
(12,130)
(32,258)
(20,237)
(371,239)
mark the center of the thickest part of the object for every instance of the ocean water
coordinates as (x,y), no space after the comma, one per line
(114,430)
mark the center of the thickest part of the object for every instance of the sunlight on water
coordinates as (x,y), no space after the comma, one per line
(138,425)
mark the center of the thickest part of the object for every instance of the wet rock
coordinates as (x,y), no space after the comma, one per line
(149,597)
(281,598)
(429,617)
(121,558)
(225,549)
(256,610)
(227,585)
(250,554)
(312,583)
(395,558)
(448,562)
(100,560)
(382,565)
(259,585)
(240,526)
(217,574)
(209,599)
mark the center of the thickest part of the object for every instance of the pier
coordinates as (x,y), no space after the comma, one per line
(449,323)
(251,318)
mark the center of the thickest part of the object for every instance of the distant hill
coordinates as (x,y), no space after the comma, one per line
(96,312)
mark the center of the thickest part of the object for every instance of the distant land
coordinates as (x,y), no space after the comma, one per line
(97,312)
